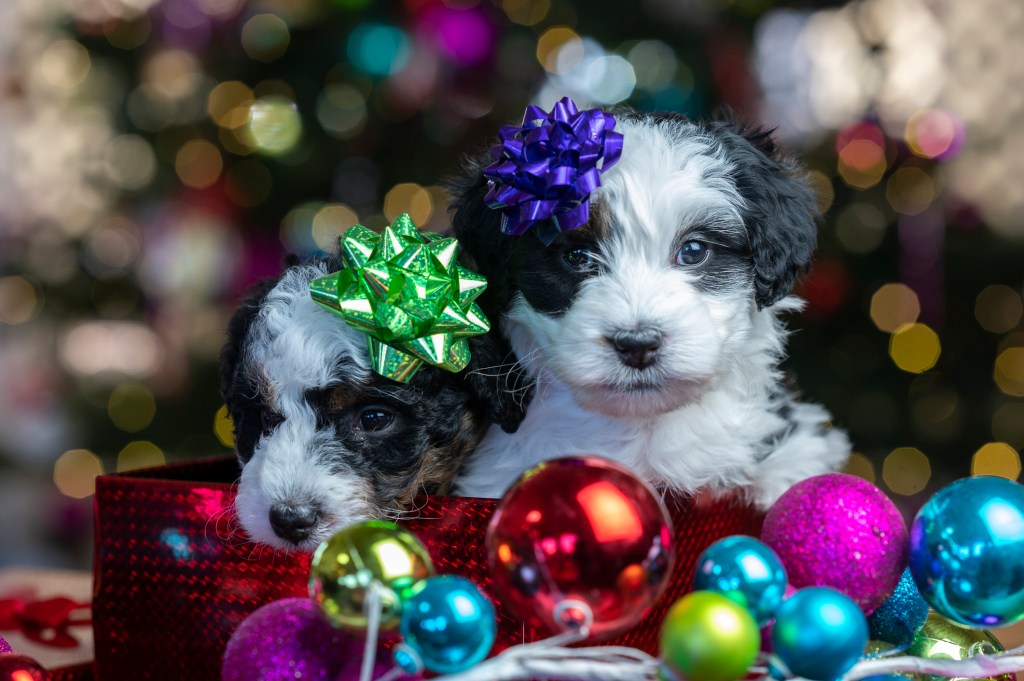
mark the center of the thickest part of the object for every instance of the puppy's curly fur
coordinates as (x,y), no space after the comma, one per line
(323,440)
(652,335)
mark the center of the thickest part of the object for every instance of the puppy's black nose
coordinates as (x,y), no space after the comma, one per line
(637,347)
(293,523)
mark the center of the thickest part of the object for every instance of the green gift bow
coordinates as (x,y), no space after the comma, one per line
(405,289)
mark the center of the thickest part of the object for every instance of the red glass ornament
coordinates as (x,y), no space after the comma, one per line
(15,667)
(580,530)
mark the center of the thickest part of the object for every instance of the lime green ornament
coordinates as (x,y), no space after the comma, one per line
(707,637)
(405,289)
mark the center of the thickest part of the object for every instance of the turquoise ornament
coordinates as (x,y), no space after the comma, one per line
(448,626)
(967,552)
(899,619)
(819,633)
(746,570)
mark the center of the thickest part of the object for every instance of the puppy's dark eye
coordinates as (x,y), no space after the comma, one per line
(373,419)
(693,253)
(580,259)
(269,419)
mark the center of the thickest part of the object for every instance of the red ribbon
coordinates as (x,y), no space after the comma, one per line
(44,621)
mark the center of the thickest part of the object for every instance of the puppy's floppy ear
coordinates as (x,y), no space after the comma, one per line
(238,329)
(497,381)
(781,212)
(484,247)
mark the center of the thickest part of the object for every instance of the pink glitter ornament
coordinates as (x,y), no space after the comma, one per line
(290,639)
(840,531)
(5,647)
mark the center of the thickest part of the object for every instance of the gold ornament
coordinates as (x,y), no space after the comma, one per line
(345,566)
(940,639)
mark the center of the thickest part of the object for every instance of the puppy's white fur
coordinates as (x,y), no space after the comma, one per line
(708,413)
(294,346)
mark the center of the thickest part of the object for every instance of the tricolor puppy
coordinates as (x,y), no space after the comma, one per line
(323,440)
(652,332)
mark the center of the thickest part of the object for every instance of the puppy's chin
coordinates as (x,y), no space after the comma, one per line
(639,400)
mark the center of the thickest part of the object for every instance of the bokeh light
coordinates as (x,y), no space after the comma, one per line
(998,308)
(274,126)
(265,37)
(933,133)
(198,164)
(910,190)
(1009,371)
(410,198)
(341,110)
(76,471)
(224,427)
(131,407)
(139,454)
(894,305)
(996,458)
(330,222)
(915,348)
(20,301)
(862,157)
(559,49)
(860,227)
(378,49)
(526,12)
(129,162)
(65,64)
(906,470)
(861,466)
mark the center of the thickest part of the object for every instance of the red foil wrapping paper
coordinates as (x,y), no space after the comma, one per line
(174,574)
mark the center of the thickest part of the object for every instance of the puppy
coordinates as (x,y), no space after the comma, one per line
(323,440)
(652,334)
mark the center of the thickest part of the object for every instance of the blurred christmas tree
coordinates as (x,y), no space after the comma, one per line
(160,156)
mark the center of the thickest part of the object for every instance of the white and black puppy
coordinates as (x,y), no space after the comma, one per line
(323,440)
(653,333)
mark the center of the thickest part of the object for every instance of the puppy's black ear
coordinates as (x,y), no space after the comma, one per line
(238,329)
(781,212)
(483,246)
(498,383)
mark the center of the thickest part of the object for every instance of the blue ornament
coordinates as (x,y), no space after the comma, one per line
(746,570)
(448,624)
(819,633)
(967,552)
(898,620)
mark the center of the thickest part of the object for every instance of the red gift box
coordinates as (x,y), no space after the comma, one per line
(174,575)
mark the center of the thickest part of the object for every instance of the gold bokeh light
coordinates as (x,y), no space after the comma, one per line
(906,470)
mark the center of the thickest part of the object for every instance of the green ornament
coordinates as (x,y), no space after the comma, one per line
(405,289)
(707,637)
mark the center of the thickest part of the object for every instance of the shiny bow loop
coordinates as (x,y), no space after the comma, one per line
(405,289)
(545,170)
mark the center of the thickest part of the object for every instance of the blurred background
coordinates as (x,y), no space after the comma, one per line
(159,156)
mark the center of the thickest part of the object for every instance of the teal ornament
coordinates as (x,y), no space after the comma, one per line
(967,552)
(448,625)
(746,570)
(819,633)
(899,619)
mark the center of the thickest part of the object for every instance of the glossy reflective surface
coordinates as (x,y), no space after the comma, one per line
(746,567)
(585,531)
(967,551)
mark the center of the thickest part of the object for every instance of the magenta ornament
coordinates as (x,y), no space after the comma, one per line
(5,647)
(840,531)
(290,639)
